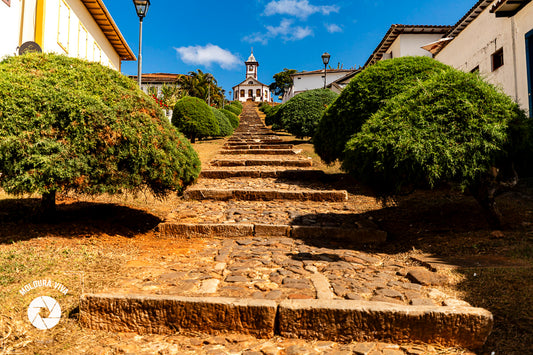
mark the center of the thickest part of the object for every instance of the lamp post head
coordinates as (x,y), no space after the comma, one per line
(141,6)
(325,58)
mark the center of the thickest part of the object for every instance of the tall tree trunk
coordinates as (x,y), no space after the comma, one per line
(48,203)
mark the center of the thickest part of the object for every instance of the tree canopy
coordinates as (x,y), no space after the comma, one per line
(282,81)
(194,118)
(71,125)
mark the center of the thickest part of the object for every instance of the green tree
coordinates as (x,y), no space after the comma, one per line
(366,93)
(282,82)
(300,115)
(202,85)
(194,118)
(233,118)
(71,125)
(225,127)
(452,128)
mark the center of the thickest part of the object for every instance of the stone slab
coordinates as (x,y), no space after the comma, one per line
(354,235)
(171,314)
(261,162)
(258,151)
(270,174)
(346,321)
(189,230)
(265,195)
(269,230)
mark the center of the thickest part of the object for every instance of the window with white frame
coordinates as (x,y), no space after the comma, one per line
(83,38)
(63,28)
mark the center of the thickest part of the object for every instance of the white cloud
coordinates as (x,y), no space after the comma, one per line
(297,8)
(333,28)
(208,55)
(285,30)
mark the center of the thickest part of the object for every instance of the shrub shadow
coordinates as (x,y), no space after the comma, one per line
(20,219)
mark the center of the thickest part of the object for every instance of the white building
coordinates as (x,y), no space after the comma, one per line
(494,38)
(251,89)
(407,40)
(310,80)
(157,80)
(77,28)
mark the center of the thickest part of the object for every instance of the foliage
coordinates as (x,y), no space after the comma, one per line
(300,115)
(273,117)
(194,118)
(452,128)
(226,129)
(366,93)
(71,125)
(202,85)
(282,82)
(237,103)
(234,109)
(233,118)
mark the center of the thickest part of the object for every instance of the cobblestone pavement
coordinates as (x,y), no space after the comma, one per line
(281,267)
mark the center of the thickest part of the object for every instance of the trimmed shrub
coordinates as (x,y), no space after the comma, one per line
(273,117)
(226,129)
(233,118)
(237,103)
(194,118)
(72,125)
(452,128)
(234,109)
(300,115)
(366,93)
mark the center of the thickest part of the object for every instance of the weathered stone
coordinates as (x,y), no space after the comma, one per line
(179,230)
(354,235)
(236,278)
(387,292)
(368,321)
(166,314)
(363,348)
(426,278)
(268,230)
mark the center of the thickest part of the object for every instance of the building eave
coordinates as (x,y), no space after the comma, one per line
(110,29)
(398,29)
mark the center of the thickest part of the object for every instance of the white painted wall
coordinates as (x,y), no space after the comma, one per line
(475,45)
(9,27)
(409,44)
(68,29)
(263,89)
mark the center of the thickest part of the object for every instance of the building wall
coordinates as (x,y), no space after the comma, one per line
(409,44)
(264,90)
(9,27)
(476,44)
(68,29)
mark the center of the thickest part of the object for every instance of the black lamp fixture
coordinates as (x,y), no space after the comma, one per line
(141,6)
(325,60)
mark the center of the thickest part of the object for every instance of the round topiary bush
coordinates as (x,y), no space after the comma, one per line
(237,103)
(233,118)
(451,128)
(300,115)
(70,125)
(194,118)
(366,93)
(225,127)
(273,117)
(236,110)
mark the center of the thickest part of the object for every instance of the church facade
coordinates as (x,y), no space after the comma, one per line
(251,89)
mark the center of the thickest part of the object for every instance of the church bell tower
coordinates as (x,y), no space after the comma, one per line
(251,66)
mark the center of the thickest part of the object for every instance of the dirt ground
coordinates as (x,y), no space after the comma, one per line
(93,240)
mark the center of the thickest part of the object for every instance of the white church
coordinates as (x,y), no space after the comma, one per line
(251,89)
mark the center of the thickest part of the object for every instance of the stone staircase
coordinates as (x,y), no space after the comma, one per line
(273,265)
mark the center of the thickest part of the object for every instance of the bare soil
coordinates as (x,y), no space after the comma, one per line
(93,240)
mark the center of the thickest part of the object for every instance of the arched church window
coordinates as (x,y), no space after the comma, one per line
(242,93)
(250,93)
(251,82)
(258,92)
(251,68)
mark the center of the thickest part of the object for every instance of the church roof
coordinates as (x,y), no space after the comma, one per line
(251,58)
(246,82)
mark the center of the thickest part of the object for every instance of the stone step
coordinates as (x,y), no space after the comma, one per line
(263,151)
(283,174)
(241,145)
(261,162)
(264,195)
(327,320)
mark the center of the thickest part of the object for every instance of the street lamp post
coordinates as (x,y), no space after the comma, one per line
(141,6)
(209,78)
(325,60)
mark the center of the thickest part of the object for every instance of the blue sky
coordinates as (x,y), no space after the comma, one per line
(216,35)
